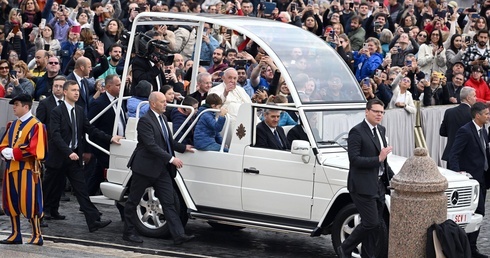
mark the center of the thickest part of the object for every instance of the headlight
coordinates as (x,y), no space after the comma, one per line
(476,193)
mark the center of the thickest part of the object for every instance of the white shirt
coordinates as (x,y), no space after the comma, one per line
(233,100)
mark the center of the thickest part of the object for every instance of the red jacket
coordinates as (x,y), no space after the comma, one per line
(481,88)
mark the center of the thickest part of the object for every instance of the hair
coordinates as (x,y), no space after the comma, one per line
(120,27)
(426,33)
(356,18)
(85,12)
(23,66)
(386,36)
(110,78)
(201,76)
(193,5)
(372,102)
(231,50)
(24,5)
(53,34)
(480,32)
(465,92)
(451,46)
(86,36)
(5,61)
(68,83)
(189,101)
(166,88)
(409,56)
(346,38)
(477,108)
(339,24)
(60,78)
(81,62)
(276,99)
(376,42)
(213,99)
(115,45)
(12,13)
(484,21)
(439,42)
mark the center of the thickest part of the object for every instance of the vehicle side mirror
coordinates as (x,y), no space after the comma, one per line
(300,147)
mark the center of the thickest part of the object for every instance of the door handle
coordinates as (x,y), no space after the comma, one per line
(251,170)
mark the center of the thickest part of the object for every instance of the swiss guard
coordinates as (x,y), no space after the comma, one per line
(23,146)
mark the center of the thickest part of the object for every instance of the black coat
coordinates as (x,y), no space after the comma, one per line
(151,158)
(364,161)
(453,119)
(265,138)
(61,131)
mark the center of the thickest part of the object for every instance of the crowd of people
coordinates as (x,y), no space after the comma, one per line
(399,52)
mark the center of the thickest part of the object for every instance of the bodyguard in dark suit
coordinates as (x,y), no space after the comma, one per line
(369,175)
(269,134)
(153,163)
(106,124)
(469,153)
(456,117)
(68,127)
(83,66)
(46,105)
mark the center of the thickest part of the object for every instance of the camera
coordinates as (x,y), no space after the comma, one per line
(146,47)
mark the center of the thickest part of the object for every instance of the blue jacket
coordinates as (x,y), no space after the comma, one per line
(177,120)
(365,67)
(207,129)
(132,104)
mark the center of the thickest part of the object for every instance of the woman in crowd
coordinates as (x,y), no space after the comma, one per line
(313,24)
(455,52)
(14,20)
(345,51)
(368,59)
(110,34)
(475,25)
(19,83)
(68,47)
(31,15)
(402,98)
(5,77)
(432,55)
(433,90)
(83,18)
(47,37)
(385,38)
(422,37)
(168,91)
(13,57)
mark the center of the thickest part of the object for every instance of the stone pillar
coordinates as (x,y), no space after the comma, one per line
(417,202)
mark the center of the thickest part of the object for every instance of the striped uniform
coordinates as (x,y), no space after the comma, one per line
(21,191)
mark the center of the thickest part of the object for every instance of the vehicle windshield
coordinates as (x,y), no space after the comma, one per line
(319,74)
(330,128)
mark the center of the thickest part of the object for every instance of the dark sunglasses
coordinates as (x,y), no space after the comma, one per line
(53,63)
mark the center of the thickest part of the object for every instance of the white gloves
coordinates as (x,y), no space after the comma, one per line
(8,153)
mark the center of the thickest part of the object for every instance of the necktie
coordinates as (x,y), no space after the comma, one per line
(378,143)
(278,139)
(59,102)
(165,134)
(74,129)
(482,139)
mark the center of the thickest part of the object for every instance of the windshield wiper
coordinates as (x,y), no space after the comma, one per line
(331,142)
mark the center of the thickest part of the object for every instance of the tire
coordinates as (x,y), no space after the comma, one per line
(224,227)
(345,222)
(150,220)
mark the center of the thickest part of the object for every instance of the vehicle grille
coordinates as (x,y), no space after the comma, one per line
(459,197)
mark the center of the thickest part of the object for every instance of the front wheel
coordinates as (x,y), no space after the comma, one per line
(151,220)
(344,224)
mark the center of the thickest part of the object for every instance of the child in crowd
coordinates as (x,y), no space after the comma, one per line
(141,92)
(207,133)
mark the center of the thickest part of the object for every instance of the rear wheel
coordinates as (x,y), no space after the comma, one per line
(151,220)
(344,224)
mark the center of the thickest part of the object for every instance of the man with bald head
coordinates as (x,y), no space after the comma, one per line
(233,97)
(154,163)
(83,66)
(41,59)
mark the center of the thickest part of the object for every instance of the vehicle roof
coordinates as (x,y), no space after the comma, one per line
(323,67)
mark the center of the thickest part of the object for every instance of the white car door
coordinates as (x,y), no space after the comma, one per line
(277,183)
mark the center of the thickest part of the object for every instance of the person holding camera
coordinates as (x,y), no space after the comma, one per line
(377,21)
(61,24)
(477,54)
(432,55)
(433,90)
(368,59)
(402,97)
(400,47)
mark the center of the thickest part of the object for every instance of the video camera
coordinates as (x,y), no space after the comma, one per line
(153,49)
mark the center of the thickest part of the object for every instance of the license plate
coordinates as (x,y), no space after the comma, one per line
(460,217)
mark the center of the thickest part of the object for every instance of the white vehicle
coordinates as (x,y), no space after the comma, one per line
(302,190)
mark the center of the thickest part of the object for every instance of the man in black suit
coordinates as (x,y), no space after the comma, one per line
(469,154)
(153,163)
(68,126)
(106,124)
(46,105)
(83,66)
(369,175)
(456,117)
(269,134)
